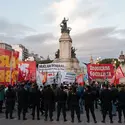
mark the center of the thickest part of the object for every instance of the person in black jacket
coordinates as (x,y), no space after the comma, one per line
(114,91)
(121,104)
(48,98)
(61,103)
(22,97)
(73,100)
(9,98)
(106,100)
(89,97)
(35,99)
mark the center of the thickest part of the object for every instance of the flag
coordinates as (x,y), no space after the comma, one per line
(86,64)
(79,79)
(44,78)
(119,73)
(114,80)
(85,77)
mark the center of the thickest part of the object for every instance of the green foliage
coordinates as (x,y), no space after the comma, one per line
(110,61)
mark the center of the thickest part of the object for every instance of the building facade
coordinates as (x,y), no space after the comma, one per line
(23,51)
(122,57)
(5,46)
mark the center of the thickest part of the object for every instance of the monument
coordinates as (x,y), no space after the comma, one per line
(66,52)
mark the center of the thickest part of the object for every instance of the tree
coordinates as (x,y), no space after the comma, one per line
(110,61)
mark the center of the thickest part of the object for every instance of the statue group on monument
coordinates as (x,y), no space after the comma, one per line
(73,53)
(65,29)
(63,25)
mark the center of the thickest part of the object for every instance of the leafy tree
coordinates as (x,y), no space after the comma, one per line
(110,61)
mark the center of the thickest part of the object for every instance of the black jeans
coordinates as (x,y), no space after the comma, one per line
(107,108)
(1,104)
(61,106)
(35,106)
(22,108)
(121,108)
(48,108)
(90,108)
(75,108)
(9,108)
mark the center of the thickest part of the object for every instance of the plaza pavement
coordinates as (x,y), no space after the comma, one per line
(29,120)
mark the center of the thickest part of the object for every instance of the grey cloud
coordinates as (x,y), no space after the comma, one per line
(13,29)
(95,33)
(83,13)
(99,42)
(39,38)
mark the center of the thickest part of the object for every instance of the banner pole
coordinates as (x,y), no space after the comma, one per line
(11,67)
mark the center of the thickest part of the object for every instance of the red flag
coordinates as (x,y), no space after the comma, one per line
(114,80)
(119,73)
(79,79)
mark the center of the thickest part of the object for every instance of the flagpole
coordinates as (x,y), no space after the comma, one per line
(11,67)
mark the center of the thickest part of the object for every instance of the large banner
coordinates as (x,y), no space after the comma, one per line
(27,71)
(8,66)
(68,77)
(100,71)
(51,67)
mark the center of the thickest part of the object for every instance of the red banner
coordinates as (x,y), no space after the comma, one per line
(27,71)
(79,79)
(100,71)
(8,66)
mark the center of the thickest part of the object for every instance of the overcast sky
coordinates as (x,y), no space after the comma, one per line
(98,26)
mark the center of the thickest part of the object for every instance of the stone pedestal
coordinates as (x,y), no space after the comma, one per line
(65,44)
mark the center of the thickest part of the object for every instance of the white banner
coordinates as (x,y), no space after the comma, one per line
(68,77)
(51,67)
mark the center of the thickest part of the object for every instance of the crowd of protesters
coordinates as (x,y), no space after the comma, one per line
(44,100)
